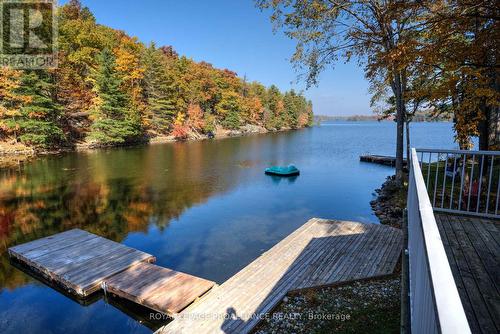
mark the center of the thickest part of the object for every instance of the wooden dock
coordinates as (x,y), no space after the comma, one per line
(81,263)
(380,159)
(321,252)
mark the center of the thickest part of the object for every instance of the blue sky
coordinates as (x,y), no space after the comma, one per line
(233,34)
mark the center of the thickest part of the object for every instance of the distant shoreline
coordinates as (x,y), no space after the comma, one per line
(376,118)
(13,155)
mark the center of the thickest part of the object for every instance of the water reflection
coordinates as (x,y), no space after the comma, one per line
(279,179)
(110,193)
(205,208)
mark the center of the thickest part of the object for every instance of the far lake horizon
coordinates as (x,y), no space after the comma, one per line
(201,207)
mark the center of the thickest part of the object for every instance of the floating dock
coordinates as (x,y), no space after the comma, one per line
(82,263)
(380,159)
(160,289)
(319,253)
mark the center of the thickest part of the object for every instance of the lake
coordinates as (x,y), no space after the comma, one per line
(205,208)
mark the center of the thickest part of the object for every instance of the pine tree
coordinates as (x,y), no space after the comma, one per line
(275,107)
(113,122)
(159,90)
(37,122)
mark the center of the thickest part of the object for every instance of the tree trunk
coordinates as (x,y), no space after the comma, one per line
(494,119)
(484,129)
(400,120)
(399,146)
(408,149)
(494,129)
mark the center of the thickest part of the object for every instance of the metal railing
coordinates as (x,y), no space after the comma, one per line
(435,305)
(465,182)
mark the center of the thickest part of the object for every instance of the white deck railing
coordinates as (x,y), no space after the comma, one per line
(435,305)
(465,182)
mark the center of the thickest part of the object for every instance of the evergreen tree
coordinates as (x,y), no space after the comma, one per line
(113,122)
(159,91)
(37,122)
(292,108)
(274,109)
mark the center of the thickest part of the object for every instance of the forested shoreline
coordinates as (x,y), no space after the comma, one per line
(111,89)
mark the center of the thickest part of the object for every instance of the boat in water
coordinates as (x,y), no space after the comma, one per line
(283,171)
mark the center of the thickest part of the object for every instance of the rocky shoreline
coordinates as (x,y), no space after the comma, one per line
(12,154)
(390,203)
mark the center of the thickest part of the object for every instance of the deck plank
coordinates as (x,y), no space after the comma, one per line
(321,252)
(161,289)
(472,250)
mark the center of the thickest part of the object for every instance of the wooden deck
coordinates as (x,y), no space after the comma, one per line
(81,263)
(321,252)
(473,248)
(158,288)
(77,260)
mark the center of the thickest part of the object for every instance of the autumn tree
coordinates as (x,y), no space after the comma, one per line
(131,70)
(180,130)
(457,57)
(196,120)
(80,41)
(10,102)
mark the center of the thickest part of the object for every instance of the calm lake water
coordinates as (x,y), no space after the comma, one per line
(205,208)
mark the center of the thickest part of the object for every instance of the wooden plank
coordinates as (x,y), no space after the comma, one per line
(319,274)
(390,260)
(310,255)
(382,246)
(161,289)
(50,241)
(471,273)
(448,238)
(478,262)
(338,271)
(366,255)
(276,284)
(451,252)
(488,261)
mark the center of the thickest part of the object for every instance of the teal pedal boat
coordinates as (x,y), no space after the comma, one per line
(283,171)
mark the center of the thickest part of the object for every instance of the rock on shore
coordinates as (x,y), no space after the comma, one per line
(390,203)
